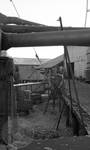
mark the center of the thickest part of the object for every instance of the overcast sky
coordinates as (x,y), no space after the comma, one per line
(46,12)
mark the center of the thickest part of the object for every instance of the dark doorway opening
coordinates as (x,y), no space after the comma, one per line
(72,65)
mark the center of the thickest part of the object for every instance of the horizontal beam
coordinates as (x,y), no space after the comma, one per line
(30,28)
(54,38)
(26,84)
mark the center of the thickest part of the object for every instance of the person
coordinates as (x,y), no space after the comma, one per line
(60,75)
(55,85)
(53,91)
(16,75)
(49,88)
(59,87)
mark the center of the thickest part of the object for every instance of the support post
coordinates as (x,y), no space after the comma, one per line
(0,41)
(7,103)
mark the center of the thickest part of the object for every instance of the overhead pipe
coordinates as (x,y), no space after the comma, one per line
(54,38)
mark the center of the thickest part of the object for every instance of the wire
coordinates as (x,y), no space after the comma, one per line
(37,55)
(15,8)
(87,10)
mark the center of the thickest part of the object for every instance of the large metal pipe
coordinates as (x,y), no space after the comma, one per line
(29,28)
(73,37)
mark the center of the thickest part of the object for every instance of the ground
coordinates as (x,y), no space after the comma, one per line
(68,143)
(38,125)
(63,143)
(83,93)
(38,129)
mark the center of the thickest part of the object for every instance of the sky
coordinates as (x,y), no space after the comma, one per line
(46,12)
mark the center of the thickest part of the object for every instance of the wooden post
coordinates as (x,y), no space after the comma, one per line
(7,101)
(13,113)
(0,40)
(4,97)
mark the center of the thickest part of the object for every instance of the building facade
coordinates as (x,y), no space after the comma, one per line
(80,61)
(27,69)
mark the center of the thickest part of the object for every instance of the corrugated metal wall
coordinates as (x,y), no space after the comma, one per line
(78,55)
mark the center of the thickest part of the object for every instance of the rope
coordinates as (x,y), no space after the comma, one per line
(37,55)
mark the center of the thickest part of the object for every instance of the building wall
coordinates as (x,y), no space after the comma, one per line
(87,71)
(29,73)
(79,56)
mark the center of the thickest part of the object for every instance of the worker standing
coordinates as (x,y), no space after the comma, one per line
(57,86)
(53,93)
(59,80)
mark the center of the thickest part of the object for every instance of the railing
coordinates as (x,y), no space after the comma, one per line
(26,84)
(26,94)
(33,86)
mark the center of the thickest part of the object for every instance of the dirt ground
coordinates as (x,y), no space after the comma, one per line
(62,143)
(65,141)
(39,126)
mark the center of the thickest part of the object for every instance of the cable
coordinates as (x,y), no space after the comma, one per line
(15,8)
(87,10)
(37,55)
